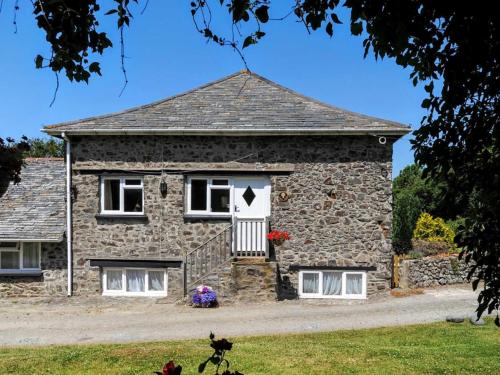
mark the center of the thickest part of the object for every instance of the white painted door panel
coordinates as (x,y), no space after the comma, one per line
(252,197)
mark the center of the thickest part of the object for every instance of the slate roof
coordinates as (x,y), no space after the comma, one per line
(241,104)
(35,208)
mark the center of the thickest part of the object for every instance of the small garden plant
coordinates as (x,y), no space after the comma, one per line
(220,347)
(277,237)
(433,236)
(204,296)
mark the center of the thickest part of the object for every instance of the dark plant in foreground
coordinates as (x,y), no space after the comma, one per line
(220,347)
(170,369)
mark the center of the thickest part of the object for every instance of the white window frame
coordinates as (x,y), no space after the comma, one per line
(343,294)
(210,187)
(124,292)
(123,187)
(18,247)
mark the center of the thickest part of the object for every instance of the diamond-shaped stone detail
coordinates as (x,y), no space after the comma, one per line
(249,195)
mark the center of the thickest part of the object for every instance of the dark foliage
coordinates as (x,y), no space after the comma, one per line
(413,194)
(45,148)
(407,209)
(11,158)
(220,347)
(451,42)
(458,140)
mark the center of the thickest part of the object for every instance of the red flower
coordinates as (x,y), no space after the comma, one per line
(171,369)
(278,235)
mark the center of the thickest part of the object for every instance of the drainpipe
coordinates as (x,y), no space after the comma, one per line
(68,214)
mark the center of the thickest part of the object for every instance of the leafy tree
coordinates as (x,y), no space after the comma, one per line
(43,148)
(414,194)
(427,190)
(453,42)
(11,158)
(407,209)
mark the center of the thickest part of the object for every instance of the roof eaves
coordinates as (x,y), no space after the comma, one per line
(402,130)
(31,239)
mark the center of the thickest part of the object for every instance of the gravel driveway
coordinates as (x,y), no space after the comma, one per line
(80,320)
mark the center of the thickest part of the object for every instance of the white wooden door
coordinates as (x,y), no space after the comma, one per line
(252,205)
(252,197)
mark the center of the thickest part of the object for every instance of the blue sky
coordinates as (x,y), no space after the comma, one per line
(165,56)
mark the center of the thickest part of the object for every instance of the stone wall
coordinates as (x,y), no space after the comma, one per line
(338,211)
(52,282)
(432,271)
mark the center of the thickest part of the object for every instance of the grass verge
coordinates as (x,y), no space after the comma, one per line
(440,348)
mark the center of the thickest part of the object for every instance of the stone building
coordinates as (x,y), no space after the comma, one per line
(185,190)
(32,227)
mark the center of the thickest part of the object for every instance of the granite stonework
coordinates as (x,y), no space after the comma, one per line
(250,280)
(338,207)
(52,282)
(432,271)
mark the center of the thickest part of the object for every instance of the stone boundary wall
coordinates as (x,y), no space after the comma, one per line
(432,271)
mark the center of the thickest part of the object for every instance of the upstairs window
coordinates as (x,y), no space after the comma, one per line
(122,195)
(208,196)
(19,256)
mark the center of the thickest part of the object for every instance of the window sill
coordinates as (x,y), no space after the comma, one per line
(21,273)
(135,294)
(196,217)
(122,216)
(342,297)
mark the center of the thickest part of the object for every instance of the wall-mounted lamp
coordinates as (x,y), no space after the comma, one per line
(163,187)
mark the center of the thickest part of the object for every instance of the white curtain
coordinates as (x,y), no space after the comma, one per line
(114,280)
(30,255)
(332,283)
(112,194)
(156,280)
(354,283)
(135,280)
(310,282)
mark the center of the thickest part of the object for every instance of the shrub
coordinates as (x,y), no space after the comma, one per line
(456,223)
(204,296)
(407,208)
(426,248)
(433,230)
(414,255)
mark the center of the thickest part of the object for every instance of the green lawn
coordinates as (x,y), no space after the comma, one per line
(441,348)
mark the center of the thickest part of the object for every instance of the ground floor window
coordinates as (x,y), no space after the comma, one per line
(19,256)
(332,284)
(134,282)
